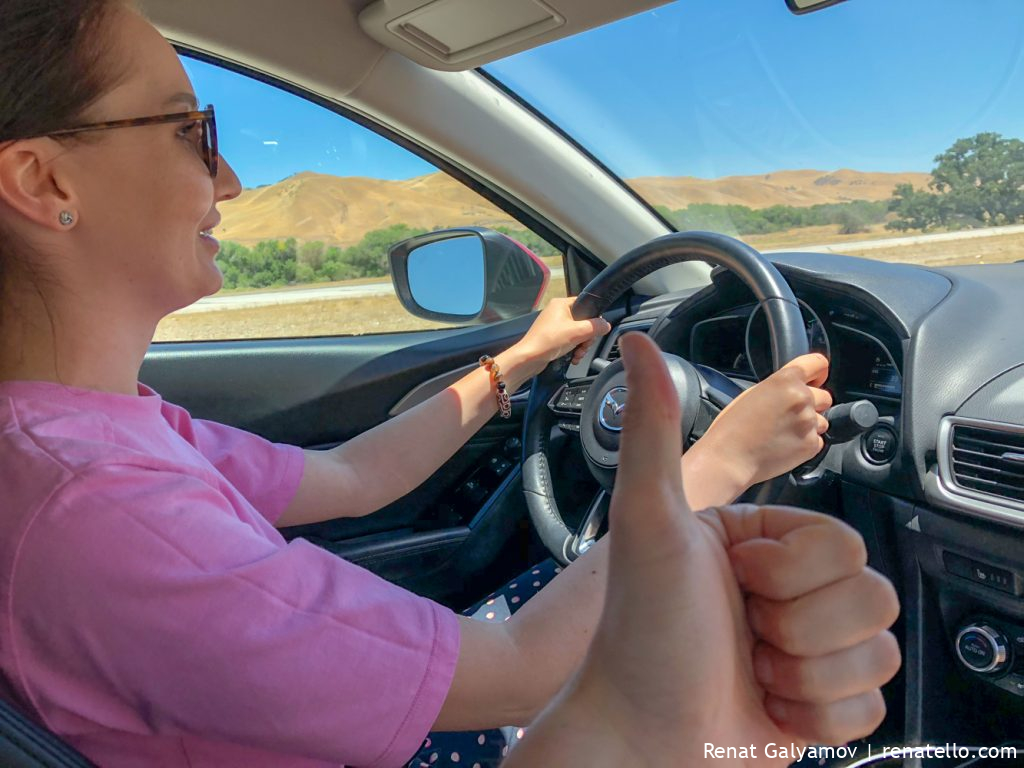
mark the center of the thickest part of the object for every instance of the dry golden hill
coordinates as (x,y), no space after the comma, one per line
(340,210)
(797,188)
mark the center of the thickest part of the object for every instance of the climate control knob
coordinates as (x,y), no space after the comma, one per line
(982,648)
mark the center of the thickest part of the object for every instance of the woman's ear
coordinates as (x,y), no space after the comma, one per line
(30,184)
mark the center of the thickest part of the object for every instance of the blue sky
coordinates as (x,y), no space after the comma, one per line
(267,134)
(707,88)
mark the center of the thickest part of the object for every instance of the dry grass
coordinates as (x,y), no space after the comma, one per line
(998,249)
(1001,249)
(794,238)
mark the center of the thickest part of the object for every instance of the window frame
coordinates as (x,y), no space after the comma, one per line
(513,206)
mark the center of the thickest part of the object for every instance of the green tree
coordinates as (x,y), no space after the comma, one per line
(916,209)
(312,255)
(369,257)
(977,182)
(272,263)
(982,178)
(853,216)
(851,222)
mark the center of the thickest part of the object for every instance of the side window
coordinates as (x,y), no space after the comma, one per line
(304,248)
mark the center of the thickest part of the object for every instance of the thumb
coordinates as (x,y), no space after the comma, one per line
(649,482)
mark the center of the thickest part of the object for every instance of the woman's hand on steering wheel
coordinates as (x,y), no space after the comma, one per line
(555,333)
(774,426)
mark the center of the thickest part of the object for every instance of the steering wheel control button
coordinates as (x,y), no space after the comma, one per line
(982,649)
(880,445)
(569,401)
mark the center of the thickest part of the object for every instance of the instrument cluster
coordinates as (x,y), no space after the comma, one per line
(865,364)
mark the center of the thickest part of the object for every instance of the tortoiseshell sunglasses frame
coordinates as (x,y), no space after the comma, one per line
(210,153)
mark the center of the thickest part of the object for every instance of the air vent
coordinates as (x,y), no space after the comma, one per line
(613,352)
(988,461)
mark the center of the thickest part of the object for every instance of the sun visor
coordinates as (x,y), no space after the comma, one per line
(464,34)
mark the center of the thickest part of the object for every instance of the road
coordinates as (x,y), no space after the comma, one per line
(297,296)
(329,293)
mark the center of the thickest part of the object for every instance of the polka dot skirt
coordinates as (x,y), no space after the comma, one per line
(485,749)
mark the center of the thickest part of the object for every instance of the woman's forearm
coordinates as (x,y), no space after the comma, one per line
(572,731)
(382,465)
(387,462)
(711,477)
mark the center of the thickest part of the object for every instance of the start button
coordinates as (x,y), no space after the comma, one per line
(880,444)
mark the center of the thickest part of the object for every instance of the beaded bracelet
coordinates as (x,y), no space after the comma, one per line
(504,403)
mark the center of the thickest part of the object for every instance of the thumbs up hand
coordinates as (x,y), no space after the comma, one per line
(735,627)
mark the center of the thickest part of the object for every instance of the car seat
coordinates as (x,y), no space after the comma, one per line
(23,744)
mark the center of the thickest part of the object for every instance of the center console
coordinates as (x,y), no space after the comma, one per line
(961,583)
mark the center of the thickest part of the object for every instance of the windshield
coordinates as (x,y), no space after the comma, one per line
(885,129)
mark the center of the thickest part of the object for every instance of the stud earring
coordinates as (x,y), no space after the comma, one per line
(66,218)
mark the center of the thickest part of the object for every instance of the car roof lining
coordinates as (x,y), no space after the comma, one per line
(334,57)
(455,35)
(339,47)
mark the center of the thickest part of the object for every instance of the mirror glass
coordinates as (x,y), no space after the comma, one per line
(447,276)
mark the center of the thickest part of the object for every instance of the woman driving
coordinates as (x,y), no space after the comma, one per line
(153,614)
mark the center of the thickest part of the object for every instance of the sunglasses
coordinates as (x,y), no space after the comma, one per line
(207,146)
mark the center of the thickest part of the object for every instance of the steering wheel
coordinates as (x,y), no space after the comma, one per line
(703,392)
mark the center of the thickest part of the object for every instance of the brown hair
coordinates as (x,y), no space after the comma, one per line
(53,65)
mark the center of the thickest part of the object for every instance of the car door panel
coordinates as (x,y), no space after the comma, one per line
(314,391)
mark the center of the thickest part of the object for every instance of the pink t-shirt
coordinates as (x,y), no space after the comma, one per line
(153,615)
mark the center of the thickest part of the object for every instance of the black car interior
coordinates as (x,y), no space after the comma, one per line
(935,485)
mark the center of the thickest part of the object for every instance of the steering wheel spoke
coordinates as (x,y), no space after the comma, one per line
(707,412)
(717,387)
(716,392)
(590,527)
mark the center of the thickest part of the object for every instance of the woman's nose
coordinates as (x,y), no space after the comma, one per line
(226,184)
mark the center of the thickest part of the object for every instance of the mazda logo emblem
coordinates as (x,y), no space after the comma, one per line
(613,408)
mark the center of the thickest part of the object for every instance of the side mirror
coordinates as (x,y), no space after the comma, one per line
(807,6)
(467,275)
